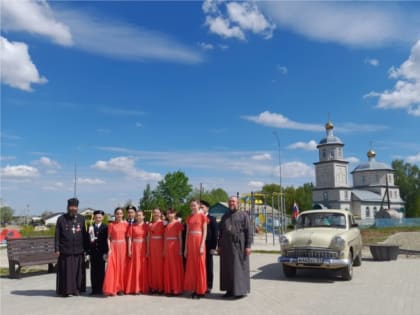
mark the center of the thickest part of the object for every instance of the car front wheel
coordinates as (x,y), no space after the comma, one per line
(289,271)
(347,272)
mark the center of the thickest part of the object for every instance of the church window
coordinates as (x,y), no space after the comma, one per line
(375,209)
(324,153)
(325,195)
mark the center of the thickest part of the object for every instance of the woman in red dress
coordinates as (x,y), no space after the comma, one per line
(114,282)
(155,250)
(195,271)
(173,266)
(137,272)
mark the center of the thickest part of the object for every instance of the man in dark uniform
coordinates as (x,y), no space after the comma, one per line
(70,246)
(131,215)
(98,248)
(211,243)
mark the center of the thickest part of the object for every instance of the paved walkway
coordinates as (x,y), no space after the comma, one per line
(377,288)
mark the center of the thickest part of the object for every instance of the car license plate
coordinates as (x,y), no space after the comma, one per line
(309,260)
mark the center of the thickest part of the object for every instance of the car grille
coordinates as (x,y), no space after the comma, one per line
(312,252)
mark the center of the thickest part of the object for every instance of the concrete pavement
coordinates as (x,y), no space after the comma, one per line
(377,288)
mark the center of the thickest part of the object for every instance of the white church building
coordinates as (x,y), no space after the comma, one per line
(373,182)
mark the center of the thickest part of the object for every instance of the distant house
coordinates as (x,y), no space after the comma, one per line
(52,219)
(218,210)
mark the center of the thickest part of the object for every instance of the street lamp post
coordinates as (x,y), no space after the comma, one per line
(282,210)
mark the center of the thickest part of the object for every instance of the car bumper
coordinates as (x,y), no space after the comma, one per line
(326,263)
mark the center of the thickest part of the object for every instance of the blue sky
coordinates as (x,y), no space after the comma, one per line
(133,90)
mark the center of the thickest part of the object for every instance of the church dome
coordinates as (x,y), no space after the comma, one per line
(330,138)
(372,164)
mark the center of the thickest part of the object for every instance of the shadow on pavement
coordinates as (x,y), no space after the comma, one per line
(274,272)
(34,292)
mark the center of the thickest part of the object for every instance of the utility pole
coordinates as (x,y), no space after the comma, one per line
(282,210)
(75,180)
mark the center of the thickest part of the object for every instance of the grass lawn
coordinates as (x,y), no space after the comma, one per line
(376,235)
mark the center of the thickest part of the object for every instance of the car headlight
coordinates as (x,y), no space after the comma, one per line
(284,241)
(338,243)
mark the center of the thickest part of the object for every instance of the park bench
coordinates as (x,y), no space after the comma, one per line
(30,252)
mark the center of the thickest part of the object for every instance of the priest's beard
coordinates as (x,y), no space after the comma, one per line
(72,212)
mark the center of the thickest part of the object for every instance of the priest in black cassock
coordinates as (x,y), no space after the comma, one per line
(235,238)
(98,249)
(70,245)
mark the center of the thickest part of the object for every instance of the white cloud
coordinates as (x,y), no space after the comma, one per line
(90,181)
(35,17)
(236,19)
(47,162)
(413,158)
(279,121)
(354,24)
(261,157)
(255,184)
(206,46)
(219,162)
(19,171)
(296,169)
(106,37)
(56,186)
(248,17)
(94,33)
(7,158)
(126,165)
(308,146)
(372,61)
(406,92)
(282,69)
(352,159)
(17,68)
(222,27)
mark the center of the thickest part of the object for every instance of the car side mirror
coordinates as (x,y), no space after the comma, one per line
(355,225)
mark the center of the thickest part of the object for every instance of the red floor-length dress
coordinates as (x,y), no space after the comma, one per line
(195,270)
(114,281)
(173,266)
(137,268)
(156,256)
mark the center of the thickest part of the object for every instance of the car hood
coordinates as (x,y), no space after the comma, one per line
(313,237)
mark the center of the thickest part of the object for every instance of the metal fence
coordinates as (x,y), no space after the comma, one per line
(382,223)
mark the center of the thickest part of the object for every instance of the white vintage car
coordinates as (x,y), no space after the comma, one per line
(327,239)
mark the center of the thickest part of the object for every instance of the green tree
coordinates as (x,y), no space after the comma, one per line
(407,177)
(172,192)
(302,195)
(147,202)
(211,196)
(6,214)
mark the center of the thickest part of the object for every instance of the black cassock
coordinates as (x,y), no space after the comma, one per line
(211,244)
(97,249)
(71,242)
(235,234)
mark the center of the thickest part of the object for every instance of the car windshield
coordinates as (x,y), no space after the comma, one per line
(327,219)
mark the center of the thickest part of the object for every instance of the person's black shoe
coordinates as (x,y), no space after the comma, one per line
(227,295)
(77,293)
(208,291)
(120,293)
(238,297)
(64,295)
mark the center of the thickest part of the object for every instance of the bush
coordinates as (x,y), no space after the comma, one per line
(29,231)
